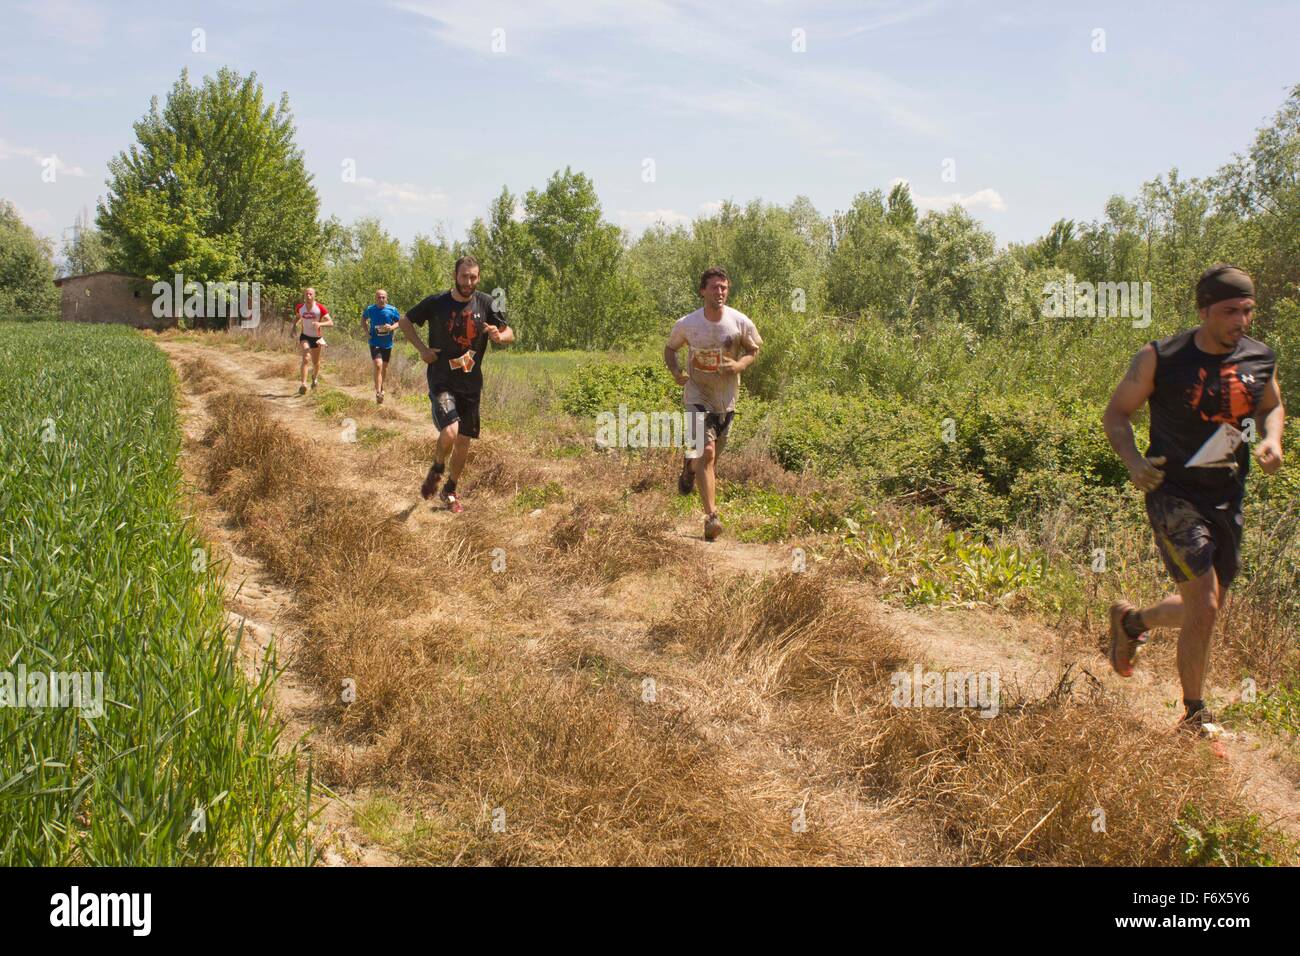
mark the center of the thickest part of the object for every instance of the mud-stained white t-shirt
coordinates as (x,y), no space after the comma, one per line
(733,336)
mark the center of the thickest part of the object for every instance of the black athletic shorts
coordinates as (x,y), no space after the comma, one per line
(1193,538)
(716,426)
(379,352)
(451,407)
(313,341)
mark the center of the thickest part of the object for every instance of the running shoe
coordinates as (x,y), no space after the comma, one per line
(712,527)
(686,480)
(302,389)
(452,500)
(1123,649)
(430,486)
(1200,724)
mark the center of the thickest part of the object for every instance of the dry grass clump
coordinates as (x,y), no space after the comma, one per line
(637,471)
(593,544)
(491,467)
(1036,783)
(753,468)
(449,705)
(293,515)
(287,368)
(250,458)
(576,774)
(200,375)
(796,633)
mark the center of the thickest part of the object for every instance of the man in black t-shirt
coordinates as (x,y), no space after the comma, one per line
(461,323)
(1213,392)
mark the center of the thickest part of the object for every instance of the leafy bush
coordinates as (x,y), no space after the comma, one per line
(1213,842)
(927,564)
(603,386)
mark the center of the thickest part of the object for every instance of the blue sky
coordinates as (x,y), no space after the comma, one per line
(718,95)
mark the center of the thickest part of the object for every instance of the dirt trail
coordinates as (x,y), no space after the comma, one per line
(1025,654)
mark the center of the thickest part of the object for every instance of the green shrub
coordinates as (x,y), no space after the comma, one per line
(1211,842)
(602,386)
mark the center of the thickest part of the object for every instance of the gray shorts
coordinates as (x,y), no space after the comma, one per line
(716,426)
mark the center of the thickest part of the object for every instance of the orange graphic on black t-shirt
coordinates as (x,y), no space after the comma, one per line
(1225,401)
(463,328)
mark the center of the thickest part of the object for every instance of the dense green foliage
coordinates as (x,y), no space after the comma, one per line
(102,574)
(87,251)
(26,270)
(215,189)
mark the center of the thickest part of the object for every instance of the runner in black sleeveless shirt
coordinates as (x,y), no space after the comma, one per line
(1212,393)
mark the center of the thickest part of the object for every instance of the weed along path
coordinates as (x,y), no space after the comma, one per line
(566,673)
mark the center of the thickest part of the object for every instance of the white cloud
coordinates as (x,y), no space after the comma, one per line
(899,15)
(989,199)
(402,197)
(69,21)
(798,95)
(10,151)
(651,217)
(57,89)
(41,220)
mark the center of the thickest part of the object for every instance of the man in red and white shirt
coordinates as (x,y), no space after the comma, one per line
(314,318)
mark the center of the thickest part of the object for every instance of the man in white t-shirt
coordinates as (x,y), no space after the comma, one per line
(721,343)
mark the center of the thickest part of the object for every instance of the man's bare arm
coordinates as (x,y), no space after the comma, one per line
(1270,418)
(670,359)
(1131,394)
(429,355)
(739,365)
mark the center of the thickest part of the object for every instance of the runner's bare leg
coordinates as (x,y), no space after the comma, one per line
(446,439)
(1169,612)
(1200,598)
(705,478)
(458,456)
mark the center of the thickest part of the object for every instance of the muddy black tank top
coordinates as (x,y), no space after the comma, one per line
(1196,395)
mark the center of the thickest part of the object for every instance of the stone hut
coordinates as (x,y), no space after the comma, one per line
(110,297)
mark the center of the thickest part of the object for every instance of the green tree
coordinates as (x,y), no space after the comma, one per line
(367,258)
(662,260)
(873,269)
(1263,188)
(503,246)
(215,188)
(87,250)
(26,269)
(954,254)
(562,267)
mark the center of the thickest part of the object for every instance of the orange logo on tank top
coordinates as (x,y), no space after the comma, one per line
(1222,401)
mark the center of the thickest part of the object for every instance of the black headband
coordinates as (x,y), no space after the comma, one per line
(1223,282)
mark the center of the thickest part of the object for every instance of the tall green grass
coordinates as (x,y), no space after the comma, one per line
(101,572)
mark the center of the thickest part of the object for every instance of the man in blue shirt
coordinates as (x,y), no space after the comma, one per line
(381,318)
